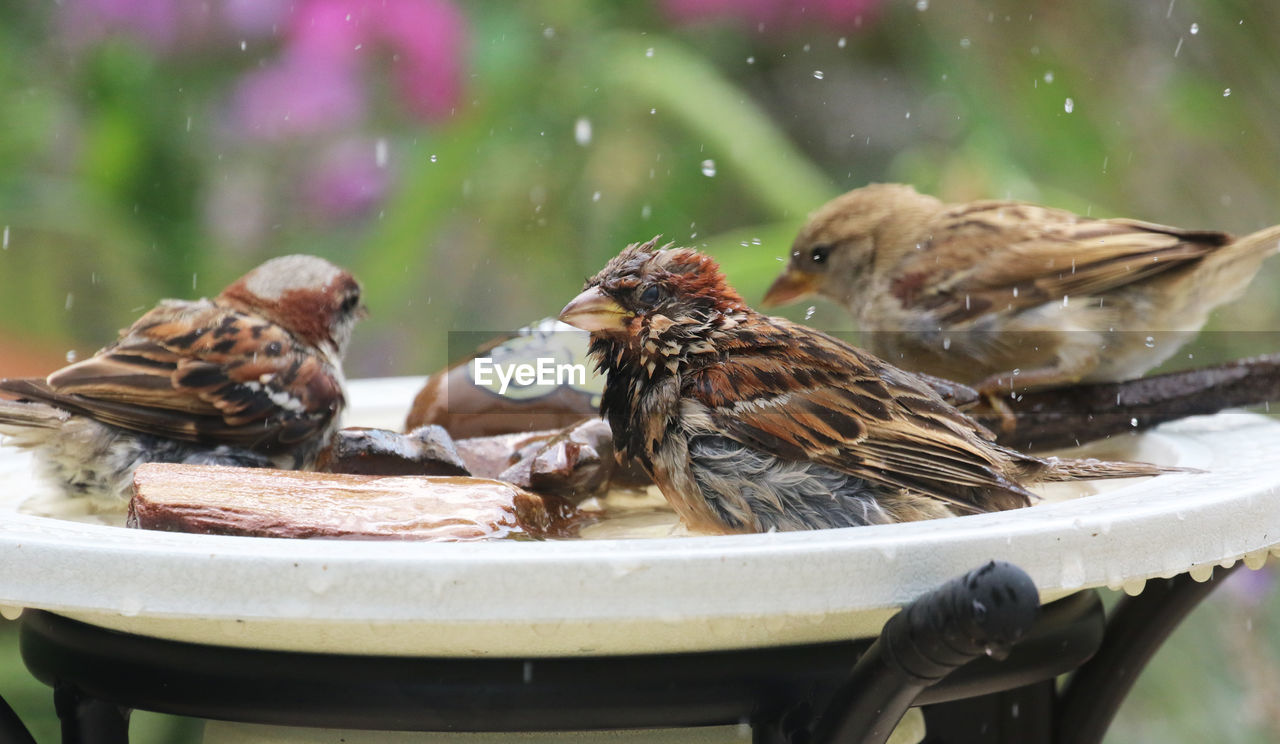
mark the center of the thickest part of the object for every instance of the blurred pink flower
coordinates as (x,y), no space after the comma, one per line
(348,180)
(154,23)
(315,84)
(298,96)
(766,16)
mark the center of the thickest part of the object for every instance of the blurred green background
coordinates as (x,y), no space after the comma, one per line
(473,161)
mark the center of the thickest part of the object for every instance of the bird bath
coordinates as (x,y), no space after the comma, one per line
(635,595)
(671,594)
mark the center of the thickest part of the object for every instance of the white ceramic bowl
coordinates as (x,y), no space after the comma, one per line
(634,595)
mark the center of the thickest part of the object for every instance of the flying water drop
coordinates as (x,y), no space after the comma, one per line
(1069,106)
(818,74)
(709,168)
(582,131)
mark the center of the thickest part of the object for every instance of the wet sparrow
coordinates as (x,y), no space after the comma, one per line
(1001,293)
(750,424)
(252,378)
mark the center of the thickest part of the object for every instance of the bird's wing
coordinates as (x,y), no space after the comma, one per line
(1007,256)
(806,396)
(197,371)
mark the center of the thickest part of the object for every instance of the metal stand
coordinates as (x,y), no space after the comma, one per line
(974,654)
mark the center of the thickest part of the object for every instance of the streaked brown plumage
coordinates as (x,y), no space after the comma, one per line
(750,424)
(972,292)
(252,377)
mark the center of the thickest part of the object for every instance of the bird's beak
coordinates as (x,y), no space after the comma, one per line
(791,285)
(593,310)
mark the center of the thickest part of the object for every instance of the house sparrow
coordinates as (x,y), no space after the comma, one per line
(1002,293)
(750,424)
(252,378)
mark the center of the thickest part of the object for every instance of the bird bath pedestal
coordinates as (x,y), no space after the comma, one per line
(756,633)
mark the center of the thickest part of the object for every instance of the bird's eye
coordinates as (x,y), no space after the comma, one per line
(350,303)
(818,254)
(650,295)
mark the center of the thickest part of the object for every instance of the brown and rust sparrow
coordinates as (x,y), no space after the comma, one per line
(1002,294)
(252,377)
(751,424)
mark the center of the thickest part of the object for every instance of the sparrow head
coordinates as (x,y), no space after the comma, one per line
(306,295)
(651,299)
(836,251)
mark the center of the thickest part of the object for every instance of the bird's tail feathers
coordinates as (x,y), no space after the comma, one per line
(21,414)
(1070,468)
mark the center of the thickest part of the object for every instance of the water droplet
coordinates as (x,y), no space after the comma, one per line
(595,197)
(1069,106)
(582,131)
(5,242)
(946,343)
(71,300)
(1226,92)
(1195,29)
(648,52)
(433,158)
(10,612)
(1066,299)
(653,111)
(1048,76)
(380,152)
(548,32)
(751,60)
(841,42)
(646,212)
(1017,371)
(243,45)
(71,355)
(131,606)
(1133,422)
(528,672)
(964,43)
(922,5)
(1149,342)
(817,74)
(809,312)
(1178,48)
(1015,291)
(709,168)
